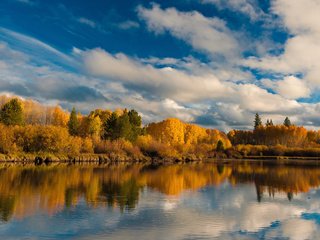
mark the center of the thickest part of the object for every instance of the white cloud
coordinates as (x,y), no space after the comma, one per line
(172,89)
(128,25)
(209,35)
(166,82)
(87,22)
(301,53)
(34,47)
(290,87)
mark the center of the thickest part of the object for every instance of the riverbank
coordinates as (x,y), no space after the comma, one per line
(43,158)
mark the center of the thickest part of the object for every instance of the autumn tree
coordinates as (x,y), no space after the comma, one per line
(257,121)
(12,113)
(58,117)
(73,123)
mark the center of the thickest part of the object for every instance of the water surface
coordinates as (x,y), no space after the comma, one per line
(189,201)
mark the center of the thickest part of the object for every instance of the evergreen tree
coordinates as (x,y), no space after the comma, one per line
(124,127)
(269,123)
(73,123)
(220,146)
(127,126)
(257,121)
(134,117)
(287,122)
(12,113)
(109,126)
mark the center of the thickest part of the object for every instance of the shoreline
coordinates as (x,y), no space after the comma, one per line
(43,158)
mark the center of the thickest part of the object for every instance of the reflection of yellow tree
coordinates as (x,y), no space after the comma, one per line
(25,189)
(288,179)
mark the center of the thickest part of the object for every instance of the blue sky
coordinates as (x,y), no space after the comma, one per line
(212,62)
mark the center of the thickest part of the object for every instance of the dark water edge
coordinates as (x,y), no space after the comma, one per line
(104,158)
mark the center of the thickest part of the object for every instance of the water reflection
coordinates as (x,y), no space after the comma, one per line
(235,198)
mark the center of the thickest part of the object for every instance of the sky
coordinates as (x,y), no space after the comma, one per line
(211,62)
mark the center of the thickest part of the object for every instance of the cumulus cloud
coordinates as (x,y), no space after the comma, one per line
(165,82)
(290,87)
(210,35)
(301,51)
(232,104)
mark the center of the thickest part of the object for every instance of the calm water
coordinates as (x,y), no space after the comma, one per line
(197,201)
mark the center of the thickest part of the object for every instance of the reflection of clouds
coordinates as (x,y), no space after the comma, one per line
(221,212)
(256,216)
(299,229)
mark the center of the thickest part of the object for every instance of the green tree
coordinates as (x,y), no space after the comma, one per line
(12,113)
(287,122)
(269,122)
(109,126)
(136,122)
(220,146)
(73,123)
(134,118)
(257,121)
(127,126)
(123,127)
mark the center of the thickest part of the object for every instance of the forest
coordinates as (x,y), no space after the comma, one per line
(30,130)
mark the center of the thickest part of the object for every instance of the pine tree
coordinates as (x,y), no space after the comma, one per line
(12,113)
(220,146)
(257,121)
(269,123)
(109,126)
(73,123)
(287,122)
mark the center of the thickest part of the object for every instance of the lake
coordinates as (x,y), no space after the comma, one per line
(185,201)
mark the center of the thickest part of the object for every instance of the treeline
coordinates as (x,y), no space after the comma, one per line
(276,140)
(29,127)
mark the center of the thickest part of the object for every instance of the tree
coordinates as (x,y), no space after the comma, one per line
(109,126)
(134,117)
(220,146)
(12,113)
(127,126)
(287,122)
(73,123)
(269,123)
(57,117)
(257,121)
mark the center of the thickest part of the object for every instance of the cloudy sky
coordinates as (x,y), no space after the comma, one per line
(212,62)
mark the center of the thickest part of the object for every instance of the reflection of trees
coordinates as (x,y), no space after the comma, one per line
(52,188)
(274,179)
(125,194)
(6,207)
